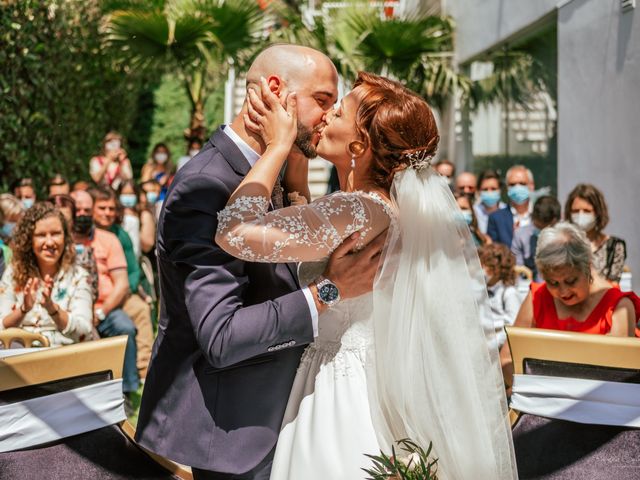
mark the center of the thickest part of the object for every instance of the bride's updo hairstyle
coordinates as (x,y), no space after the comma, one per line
(395,122)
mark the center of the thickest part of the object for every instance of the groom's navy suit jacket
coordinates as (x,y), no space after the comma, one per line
(230,332)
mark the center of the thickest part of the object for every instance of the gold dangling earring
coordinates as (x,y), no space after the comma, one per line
(350,180)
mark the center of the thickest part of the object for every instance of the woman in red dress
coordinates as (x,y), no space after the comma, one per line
(574,296)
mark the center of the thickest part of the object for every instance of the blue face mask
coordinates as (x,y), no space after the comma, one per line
(518,194)
(490,197)
(467,216)
(152,197)
(128,200)
(28,203)
(7,228)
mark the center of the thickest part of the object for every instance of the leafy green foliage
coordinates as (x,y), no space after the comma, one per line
(416,50)
(60,91)
(197,40)
(415,465)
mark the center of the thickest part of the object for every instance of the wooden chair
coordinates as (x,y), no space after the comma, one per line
(23,337)
(556,449)
(108,452)
(524,271)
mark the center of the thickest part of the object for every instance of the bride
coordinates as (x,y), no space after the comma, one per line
(409,360)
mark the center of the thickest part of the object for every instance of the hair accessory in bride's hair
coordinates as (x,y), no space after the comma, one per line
(419,159)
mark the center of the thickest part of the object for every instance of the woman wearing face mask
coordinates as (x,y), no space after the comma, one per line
(159,168)
(137,220)
(11,211)
(470,219)
(43,290)
(193,148)
(149,197)
(587,209)
(488,198)
(112,166)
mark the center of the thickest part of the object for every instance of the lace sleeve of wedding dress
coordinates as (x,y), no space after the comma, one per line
(300,233)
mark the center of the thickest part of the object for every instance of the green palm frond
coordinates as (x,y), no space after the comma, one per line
(517,77)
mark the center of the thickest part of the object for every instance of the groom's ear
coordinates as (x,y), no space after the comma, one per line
(276,84)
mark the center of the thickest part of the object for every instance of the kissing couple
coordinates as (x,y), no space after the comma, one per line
(297,337)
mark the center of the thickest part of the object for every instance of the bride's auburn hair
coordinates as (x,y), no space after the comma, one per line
(393,121)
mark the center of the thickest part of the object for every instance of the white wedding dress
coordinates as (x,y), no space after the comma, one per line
(343,407)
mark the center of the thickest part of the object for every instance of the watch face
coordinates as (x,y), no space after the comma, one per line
(329,293)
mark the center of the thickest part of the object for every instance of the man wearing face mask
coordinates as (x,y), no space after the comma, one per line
(25,192)
(112,166)
(546,213)
(113,284)
(489,193)
(504,222)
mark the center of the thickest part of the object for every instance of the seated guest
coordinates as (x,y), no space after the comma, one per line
(464,202)
(59,185)
(81,185)
(504,222)
(113,284)
(159,168)
(193,147)
(25,192)
(447,169)
(489,194)
(466,183)
(504,303)
(587,209)
(43,290)
(546,212)
(150,197)
(112,166)
(574,296)
(11,211)
(84,256)
(104,217)
(137,221)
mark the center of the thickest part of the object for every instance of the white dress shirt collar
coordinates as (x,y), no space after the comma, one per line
(249,153)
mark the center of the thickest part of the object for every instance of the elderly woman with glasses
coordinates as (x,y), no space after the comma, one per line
(43,290)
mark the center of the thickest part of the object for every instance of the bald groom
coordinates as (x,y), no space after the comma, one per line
(231,333)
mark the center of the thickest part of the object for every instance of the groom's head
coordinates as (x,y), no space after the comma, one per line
(309,73)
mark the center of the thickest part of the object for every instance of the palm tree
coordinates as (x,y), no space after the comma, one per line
(416,50)
(197,39)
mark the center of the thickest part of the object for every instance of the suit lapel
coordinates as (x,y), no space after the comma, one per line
(234,157)
(230,152)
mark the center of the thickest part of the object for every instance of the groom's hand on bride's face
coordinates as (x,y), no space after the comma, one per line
(353,272)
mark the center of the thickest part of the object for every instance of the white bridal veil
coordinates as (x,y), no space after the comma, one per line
(433,376)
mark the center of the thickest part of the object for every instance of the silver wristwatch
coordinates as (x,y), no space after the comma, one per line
(328,292)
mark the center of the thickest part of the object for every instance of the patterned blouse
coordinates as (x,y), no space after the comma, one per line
(609,258)
(71,292)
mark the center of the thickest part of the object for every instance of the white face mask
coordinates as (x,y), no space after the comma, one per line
(585,221)
(193,152)
(112,145)
(161,157)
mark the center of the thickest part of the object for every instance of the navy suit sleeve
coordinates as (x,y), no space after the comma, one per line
(227,331)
